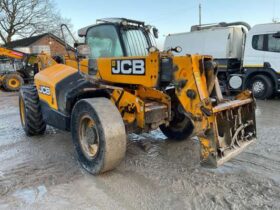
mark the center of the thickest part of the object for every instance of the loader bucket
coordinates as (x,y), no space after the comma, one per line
(232,129)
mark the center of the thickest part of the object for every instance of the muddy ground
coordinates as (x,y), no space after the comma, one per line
(43,172)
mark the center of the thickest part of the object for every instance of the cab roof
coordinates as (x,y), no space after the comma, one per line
(82,32)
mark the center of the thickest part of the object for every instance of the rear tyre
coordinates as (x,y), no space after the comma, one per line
(261,87)
(30,111)
(12,82)
(180,127)
(98,134)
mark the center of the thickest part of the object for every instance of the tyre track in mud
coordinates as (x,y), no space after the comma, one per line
(217,189)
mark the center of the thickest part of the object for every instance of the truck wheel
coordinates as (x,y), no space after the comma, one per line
(179,128)
(261,87)
(98,134)
(30,111)
(12,82)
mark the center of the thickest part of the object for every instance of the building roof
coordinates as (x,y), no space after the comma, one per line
(26,42)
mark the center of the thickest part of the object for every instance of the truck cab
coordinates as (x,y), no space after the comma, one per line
(261,63)
(248,58)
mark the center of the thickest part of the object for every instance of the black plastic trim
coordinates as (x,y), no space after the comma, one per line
(55,118)
(72,88)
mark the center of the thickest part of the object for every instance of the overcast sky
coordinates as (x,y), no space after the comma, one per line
(170,16)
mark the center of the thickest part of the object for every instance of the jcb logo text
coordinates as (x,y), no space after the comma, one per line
(132,67)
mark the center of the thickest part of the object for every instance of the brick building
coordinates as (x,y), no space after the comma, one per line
(47,41)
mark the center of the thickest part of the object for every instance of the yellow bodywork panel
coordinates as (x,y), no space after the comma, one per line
(149,79)
(105,73)
(48,78)
(11,53)
(130,106)
(44,61)
(70,61)
(189,73)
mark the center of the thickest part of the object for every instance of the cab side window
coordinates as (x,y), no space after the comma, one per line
(273,43)
(258,42)
(135,42)
(266,42)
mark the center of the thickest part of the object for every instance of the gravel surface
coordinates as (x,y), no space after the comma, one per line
(43,172)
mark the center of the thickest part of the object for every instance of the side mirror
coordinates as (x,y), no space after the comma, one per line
(277,35)
(83,50)
(155,32)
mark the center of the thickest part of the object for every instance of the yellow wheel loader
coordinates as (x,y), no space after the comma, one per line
(32,63)
(131,87)
(10,80)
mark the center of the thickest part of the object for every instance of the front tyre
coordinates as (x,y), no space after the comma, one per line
(30,111)
(98,134)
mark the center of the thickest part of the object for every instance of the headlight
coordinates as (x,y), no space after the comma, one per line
(152,49)
(178,49)
(235,82)
(124,23)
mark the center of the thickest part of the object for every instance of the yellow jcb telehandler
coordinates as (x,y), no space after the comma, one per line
(131,87)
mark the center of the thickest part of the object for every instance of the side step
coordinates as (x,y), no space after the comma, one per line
(156,113)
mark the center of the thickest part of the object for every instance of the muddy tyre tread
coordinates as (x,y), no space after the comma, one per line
(34,123)
(111,132)
(172,132)
(181,135)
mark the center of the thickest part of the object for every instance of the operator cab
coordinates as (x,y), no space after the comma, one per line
(118,37)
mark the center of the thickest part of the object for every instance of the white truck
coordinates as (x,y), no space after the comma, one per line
(248,58)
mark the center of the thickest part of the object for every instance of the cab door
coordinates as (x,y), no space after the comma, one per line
(272,53)
(254,51)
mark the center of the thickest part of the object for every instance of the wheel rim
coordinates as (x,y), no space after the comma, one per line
(258,87)
(22,112)
(89,138)
(14,83)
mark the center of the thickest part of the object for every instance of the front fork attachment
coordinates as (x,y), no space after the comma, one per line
(230,129)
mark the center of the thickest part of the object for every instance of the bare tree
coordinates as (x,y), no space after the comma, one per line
(25,18)
(55,29)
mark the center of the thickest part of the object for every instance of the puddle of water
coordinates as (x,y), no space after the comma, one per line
(157,134)
(153,135)
(135,137)
(29,196)
(42,191)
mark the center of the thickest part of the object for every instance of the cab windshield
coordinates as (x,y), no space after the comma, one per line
(104,42)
